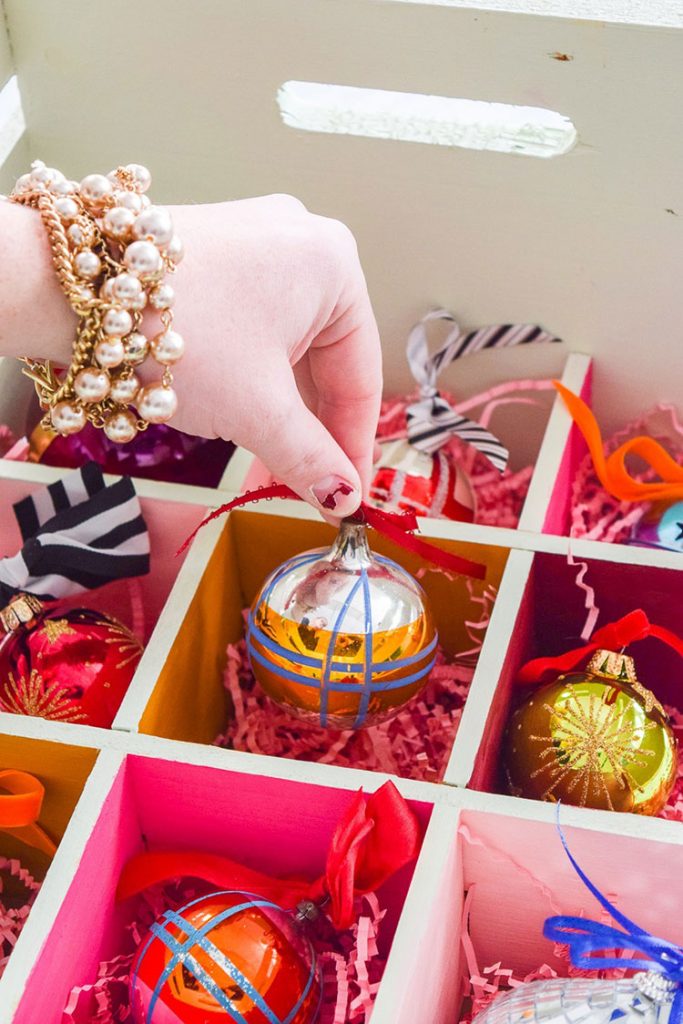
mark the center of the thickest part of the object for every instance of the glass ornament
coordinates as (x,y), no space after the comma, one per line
(227,956)
(664,530)
(643,999)
(342,638)
(431,485)
(597,738)
(69,666)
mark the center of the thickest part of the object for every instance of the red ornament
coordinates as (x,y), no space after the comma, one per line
(428,485)
(69,666)
(228,956)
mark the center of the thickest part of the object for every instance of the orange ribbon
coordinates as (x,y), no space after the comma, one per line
(20,807)
(612,471)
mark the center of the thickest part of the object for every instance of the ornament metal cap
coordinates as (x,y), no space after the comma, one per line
(613,665)
(21,611)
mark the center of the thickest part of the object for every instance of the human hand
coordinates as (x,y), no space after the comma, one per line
(282,349)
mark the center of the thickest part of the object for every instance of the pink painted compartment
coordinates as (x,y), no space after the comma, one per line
(517,874)
(138,602)
(270,824)
(550,620)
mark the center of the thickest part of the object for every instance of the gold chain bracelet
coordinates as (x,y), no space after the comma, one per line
(111,250)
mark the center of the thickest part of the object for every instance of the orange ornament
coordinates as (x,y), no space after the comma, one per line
(227,956)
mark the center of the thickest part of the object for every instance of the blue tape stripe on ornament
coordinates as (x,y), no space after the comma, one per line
(202,940)
(350,668)
(329,653)
(196,969)
(161,933)
(293,677)
(364,702)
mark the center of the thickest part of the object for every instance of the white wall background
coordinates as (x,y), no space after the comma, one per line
(589,244)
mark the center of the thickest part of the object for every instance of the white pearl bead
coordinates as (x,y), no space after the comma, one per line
(142,259)
(87,264)
(67,208)
(120,427)
(157,403)
(141,176)
(94,188)
(175,250)
(168,347)
(76,235)
(84,293)
(67,418)
(23,184)
(126,288)
(136,348)
(155,225)
(45,176)
(128,201)
(162,297)
(91,384)
(117,322)
(109,352)
(118,221)
(107,290)
(65,188)
(124,389)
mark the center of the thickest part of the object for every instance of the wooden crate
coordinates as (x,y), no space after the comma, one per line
(588,244)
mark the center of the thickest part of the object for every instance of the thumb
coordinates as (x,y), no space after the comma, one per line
(300,452)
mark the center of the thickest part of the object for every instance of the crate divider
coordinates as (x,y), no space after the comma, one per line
(551,484)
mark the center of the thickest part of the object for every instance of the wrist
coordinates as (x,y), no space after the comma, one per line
(36,318)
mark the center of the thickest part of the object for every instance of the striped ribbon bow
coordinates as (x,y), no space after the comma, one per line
(588,939)
(432,421)
(78,534)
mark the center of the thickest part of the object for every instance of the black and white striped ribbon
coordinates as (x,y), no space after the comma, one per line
(432,421)
(78,534)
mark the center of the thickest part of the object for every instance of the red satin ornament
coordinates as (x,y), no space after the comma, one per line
(428,485)
(69,666)
(227,956)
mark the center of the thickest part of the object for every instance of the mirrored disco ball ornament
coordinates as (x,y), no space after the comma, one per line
(227,956)
(342,638)
(596,738)
(644,999)
(430,485)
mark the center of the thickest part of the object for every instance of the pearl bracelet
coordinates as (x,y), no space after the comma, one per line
(111,251)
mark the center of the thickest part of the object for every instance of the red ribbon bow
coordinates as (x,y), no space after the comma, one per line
(394,525)
(374,838)
(615,635)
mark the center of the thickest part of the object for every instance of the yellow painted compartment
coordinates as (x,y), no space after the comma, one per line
(63,771)
(189,701)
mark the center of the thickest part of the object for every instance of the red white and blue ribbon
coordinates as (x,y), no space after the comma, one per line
(432,421)
(591,942)
(78,534)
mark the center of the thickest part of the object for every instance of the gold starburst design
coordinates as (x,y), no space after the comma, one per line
(589,740)
(126,643)
(53,629)
(32,697)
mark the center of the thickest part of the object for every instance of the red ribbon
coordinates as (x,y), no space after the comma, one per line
(374,838)
(615,635)
(396,526)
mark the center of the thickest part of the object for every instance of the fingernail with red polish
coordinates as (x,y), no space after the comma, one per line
(336,495)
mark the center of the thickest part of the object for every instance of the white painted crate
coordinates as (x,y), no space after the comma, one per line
(587,244)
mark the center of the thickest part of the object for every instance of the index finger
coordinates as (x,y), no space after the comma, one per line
(347,373)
